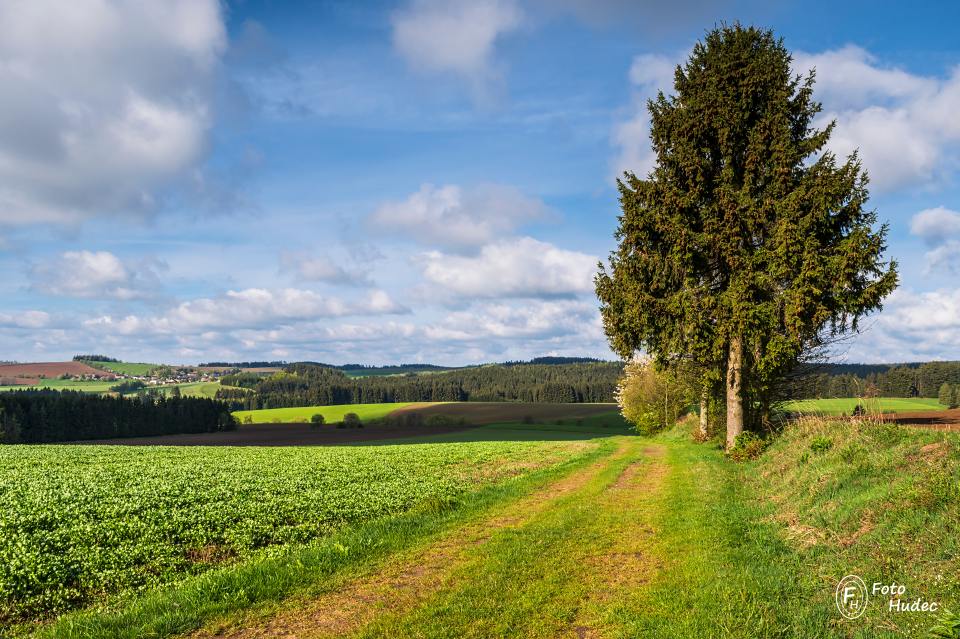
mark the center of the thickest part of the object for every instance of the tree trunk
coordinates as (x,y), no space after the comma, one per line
(734,390)
(704,399)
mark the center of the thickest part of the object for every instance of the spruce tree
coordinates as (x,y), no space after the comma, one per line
(748,244)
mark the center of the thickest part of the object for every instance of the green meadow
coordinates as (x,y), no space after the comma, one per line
(84,386)
(877,405)
(331,414)
(124,368)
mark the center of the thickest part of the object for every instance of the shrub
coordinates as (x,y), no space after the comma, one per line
(317,420)
(406,419)
(440,421)
(351,420)
(821,444)
(651,399)
(747,445)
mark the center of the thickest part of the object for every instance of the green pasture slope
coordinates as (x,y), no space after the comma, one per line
(124,368)
(331,414)
(84,386)
(878,405)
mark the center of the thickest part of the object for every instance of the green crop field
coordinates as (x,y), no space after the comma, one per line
(845,405)
(124,368)
(331,414)
(81,523)
(85,386)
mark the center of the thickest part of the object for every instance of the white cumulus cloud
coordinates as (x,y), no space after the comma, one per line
(95,275)
(455,36)
(454,217)
(913,326)
(106,102)
(940,229)
(25,319)
(516,267)
(247,308)
(904,124)
(649,74)
(323,268)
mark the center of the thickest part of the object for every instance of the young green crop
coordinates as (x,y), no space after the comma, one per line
(79,524)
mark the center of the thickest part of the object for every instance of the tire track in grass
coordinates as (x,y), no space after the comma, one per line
(410,578)
(628,562)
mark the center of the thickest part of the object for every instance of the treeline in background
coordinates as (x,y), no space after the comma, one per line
(312,385)
(873,380)
(50,416)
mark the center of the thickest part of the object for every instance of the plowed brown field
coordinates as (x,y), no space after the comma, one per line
(482,413)
(50,370)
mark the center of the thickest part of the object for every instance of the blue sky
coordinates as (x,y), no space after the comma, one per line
(190,180)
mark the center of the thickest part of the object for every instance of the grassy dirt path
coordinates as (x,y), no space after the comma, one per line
(390,599)
(657,538)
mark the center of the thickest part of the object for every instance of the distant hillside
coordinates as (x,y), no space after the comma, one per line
(273,364)
(556,361)
(312,385)
(362,370)
(911,379)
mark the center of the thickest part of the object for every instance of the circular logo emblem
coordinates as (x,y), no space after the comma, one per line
(851,597)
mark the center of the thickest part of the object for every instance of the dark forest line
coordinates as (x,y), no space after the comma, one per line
(55,416)
(311,385)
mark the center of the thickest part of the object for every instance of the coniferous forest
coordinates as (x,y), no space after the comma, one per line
(29,417)
(312,385)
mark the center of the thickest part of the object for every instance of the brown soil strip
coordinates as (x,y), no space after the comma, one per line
(938,419)
(482,413)
(626,563)
(407,580)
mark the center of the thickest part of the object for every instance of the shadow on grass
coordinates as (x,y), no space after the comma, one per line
(379,434)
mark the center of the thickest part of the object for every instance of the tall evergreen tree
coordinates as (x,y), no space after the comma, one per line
(748,243)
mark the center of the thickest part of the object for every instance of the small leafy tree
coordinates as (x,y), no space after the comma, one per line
(651,399)
(946,394)
(352,420)
(316,421)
